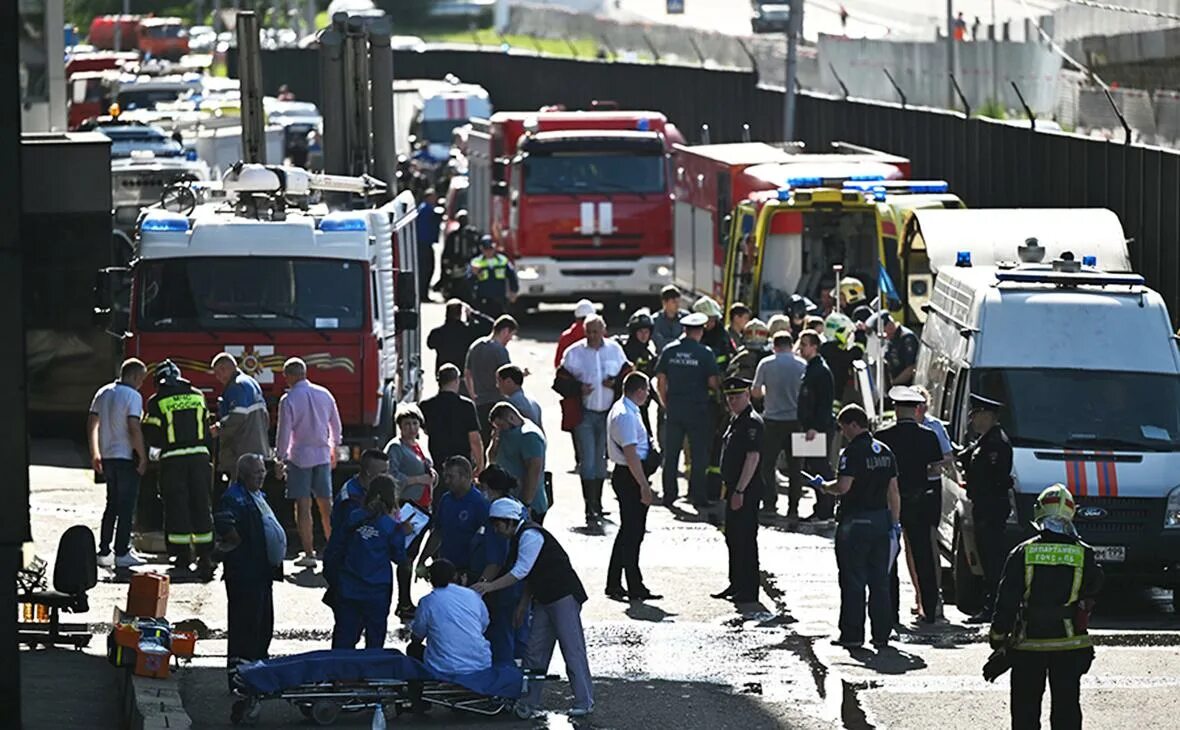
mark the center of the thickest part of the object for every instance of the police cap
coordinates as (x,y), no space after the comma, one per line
(696,319)
(485,241)
(882,317)
(982,403)
(903,395)
(733,385)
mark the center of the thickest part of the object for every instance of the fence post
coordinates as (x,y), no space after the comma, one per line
(962,97)
(753,59)
(651,47)
(843,86)
(745,132)
(1118,113)
(697,49)
(896,88)
(1032,118)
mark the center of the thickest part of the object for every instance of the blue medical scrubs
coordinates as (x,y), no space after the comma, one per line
(363,580)
(459,522)
(508,642)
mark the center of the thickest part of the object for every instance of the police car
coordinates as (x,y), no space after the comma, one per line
(1087,366)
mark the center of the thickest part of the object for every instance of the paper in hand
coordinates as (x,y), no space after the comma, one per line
(416,518)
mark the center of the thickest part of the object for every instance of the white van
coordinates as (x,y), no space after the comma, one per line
(1087,366)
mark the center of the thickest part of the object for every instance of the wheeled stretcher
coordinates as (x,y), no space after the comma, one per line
(322,684)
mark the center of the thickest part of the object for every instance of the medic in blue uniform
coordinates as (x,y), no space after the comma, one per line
(508,640)
(362,576)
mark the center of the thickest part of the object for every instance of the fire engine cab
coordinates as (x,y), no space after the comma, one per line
(258,268)
(579,199)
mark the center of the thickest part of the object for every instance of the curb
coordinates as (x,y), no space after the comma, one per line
(150,704)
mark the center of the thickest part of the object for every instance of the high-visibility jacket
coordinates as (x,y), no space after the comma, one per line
(174,421)
(1044,579)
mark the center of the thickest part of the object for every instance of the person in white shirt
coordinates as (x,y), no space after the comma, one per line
(629,446)
(596,362)
(117,452)
(452,621)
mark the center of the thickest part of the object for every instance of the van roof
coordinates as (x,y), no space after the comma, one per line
(1022,325)
(992,235)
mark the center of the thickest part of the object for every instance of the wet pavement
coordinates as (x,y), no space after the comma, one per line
(685,661)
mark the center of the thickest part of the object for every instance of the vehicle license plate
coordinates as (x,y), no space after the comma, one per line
(1110,553)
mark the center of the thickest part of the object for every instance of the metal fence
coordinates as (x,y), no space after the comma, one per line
(988,163)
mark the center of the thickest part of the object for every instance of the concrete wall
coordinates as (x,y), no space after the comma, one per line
(671,43)
(1072,22)
(984,71)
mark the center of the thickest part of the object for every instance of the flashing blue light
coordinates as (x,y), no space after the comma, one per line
(190,155)
(1090,261)
(164,225)
(936,187)
(784,194)
(963,258)
(643,125)
(879,193)
(866,178)
(337,225)
(804,182)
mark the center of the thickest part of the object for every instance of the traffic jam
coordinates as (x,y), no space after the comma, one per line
(981,406)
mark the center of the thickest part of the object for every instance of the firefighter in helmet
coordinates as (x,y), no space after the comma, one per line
(717,339)
(640,352)
(1047,590)
(174,422)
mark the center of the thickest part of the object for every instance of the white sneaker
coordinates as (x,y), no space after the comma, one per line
(307,561)
(130,560)
(106,560)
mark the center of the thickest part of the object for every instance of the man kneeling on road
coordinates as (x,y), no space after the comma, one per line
(556,594)
(451,620)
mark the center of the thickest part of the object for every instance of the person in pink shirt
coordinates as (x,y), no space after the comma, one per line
(305,444)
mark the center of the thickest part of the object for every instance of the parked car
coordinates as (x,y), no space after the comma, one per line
(771,19)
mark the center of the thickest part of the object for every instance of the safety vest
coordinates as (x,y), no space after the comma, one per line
(485,269)
(1055,554)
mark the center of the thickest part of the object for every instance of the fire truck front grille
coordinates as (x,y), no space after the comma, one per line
(597,273)
(616,246)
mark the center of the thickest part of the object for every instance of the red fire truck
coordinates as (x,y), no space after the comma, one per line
(253,270)
(90,81)
(580,200)
(711,181)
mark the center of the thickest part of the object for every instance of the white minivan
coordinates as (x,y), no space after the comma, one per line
(1087,366)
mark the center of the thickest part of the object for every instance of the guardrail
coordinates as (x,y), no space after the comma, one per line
(988,163)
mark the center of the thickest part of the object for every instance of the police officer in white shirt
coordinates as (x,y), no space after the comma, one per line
(556,595)
(630,448)
(595,361)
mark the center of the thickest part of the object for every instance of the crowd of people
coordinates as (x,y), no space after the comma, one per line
(459,494)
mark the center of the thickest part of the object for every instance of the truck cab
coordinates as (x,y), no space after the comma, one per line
(236,270)
(1086,365)
(580,200)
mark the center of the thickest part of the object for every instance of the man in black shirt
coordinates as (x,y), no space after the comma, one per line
(451,340)
(919,457)
(867,529)
(740,450)
(451,424)
(816,396)
(988,466)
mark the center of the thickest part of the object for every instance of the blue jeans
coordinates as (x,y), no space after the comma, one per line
(698,427)
(591,436)
(862,556)
(117,518)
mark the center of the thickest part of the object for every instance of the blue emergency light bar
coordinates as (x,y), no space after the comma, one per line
(643,125)
(1090,261)
(340,225)
(164,225)
(963,259)
(897,186)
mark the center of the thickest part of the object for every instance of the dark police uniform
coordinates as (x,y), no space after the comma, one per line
(742,437)
(174,422)
(1042,582)
(901,352)
(863,539)
(492,279)
(988,466)
(719,341)
(688,365)
(916,448)
(816,396)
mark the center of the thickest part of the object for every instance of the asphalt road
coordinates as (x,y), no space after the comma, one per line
(686,661)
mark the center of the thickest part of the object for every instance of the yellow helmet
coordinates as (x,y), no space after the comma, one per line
(840,328)
(708,307)
(1055,501)
(852,289)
